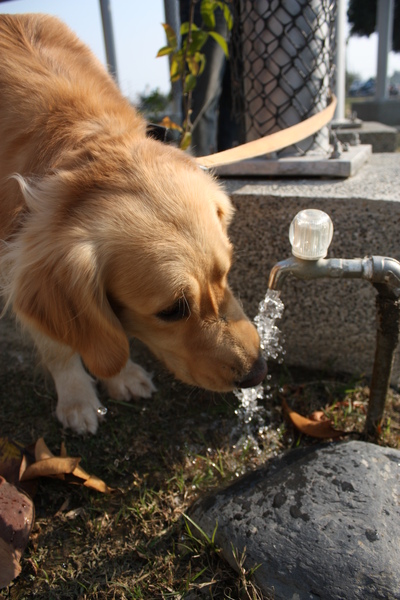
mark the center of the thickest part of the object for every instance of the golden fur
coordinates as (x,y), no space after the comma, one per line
(105,233)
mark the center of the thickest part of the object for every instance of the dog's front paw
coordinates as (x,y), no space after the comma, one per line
(131,382)
(78,408)
(80,415)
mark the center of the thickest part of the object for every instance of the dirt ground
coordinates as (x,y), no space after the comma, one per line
(159,456)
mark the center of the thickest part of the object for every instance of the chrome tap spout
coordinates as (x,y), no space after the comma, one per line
(334,268)
(310,234)
(383,272)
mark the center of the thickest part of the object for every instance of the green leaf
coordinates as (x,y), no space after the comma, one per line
(193,65)
(176,68)
(185,141)
(207,8)
(177,63)
(190,83)
(202,60)
(221,41)
(164,51)
(227,14)
(171,36)
(185,28)
(196,63)
(199,38)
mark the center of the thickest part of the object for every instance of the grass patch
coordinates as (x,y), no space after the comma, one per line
(160,456)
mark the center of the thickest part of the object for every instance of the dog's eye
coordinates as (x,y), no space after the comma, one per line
(177,311)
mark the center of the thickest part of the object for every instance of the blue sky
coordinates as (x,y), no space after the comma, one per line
(139,35)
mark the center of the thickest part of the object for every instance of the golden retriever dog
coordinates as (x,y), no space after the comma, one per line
(107,234)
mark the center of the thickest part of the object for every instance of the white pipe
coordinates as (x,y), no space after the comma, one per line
(385,30)
(105,8)
(172,17)
(340,60)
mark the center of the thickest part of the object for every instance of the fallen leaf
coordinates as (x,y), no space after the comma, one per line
(21,467)
(50,467)
(318,415)
(61,467)
(313,428)
(10,459)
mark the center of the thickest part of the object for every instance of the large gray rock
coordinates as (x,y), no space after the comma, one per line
(323,522)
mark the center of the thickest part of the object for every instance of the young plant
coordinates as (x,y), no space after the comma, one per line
(187,61)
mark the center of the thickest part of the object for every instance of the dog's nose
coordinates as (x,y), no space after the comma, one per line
(256,375)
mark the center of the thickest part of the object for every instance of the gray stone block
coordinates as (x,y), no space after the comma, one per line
(322,522)
(383,111)
(380,137)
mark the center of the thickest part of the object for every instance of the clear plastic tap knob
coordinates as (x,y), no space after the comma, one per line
(310,234)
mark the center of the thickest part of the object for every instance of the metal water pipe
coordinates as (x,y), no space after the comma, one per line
(310,234)
(384,18)
(108,32)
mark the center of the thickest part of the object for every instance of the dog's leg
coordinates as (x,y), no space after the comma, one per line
(77,405)
(131,382)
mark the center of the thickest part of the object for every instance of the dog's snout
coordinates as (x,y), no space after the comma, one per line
(256,375)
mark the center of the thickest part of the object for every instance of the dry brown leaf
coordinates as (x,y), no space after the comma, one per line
(23,466)
(63,450)
(11,454)
(317,429)
(50,467)
(42,451)
(169,124)
(318,415)
(97,484)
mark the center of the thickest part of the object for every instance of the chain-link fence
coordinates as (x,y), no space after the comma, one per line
(282,62)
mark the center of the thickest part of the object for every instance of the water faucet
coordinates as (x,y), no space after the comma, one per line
(310,235)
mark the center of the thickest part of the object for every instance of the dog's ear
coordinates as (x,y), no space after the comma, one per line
(58,288)
(73,309)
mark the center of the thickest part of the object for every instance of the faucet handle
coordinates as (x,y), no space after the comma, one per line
(310,234)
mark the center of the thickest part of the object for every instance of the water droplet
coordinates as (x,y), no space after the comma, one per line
(251,416)
(102,411)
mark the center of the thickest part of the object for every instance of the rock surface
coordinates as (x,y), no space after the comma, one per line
(323,522)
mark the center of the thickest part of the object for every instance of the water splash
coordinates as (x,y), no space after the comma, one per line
(251,415)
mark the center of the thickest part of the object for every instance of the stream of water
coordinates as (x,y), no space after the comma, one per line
(251,414)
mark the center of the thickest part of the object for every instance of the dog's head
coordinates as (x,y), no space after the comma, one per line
(137,246)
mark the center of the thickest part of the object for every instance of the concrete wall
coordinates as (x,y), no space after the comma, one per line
(381,137)
(383,111)
(327,323)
